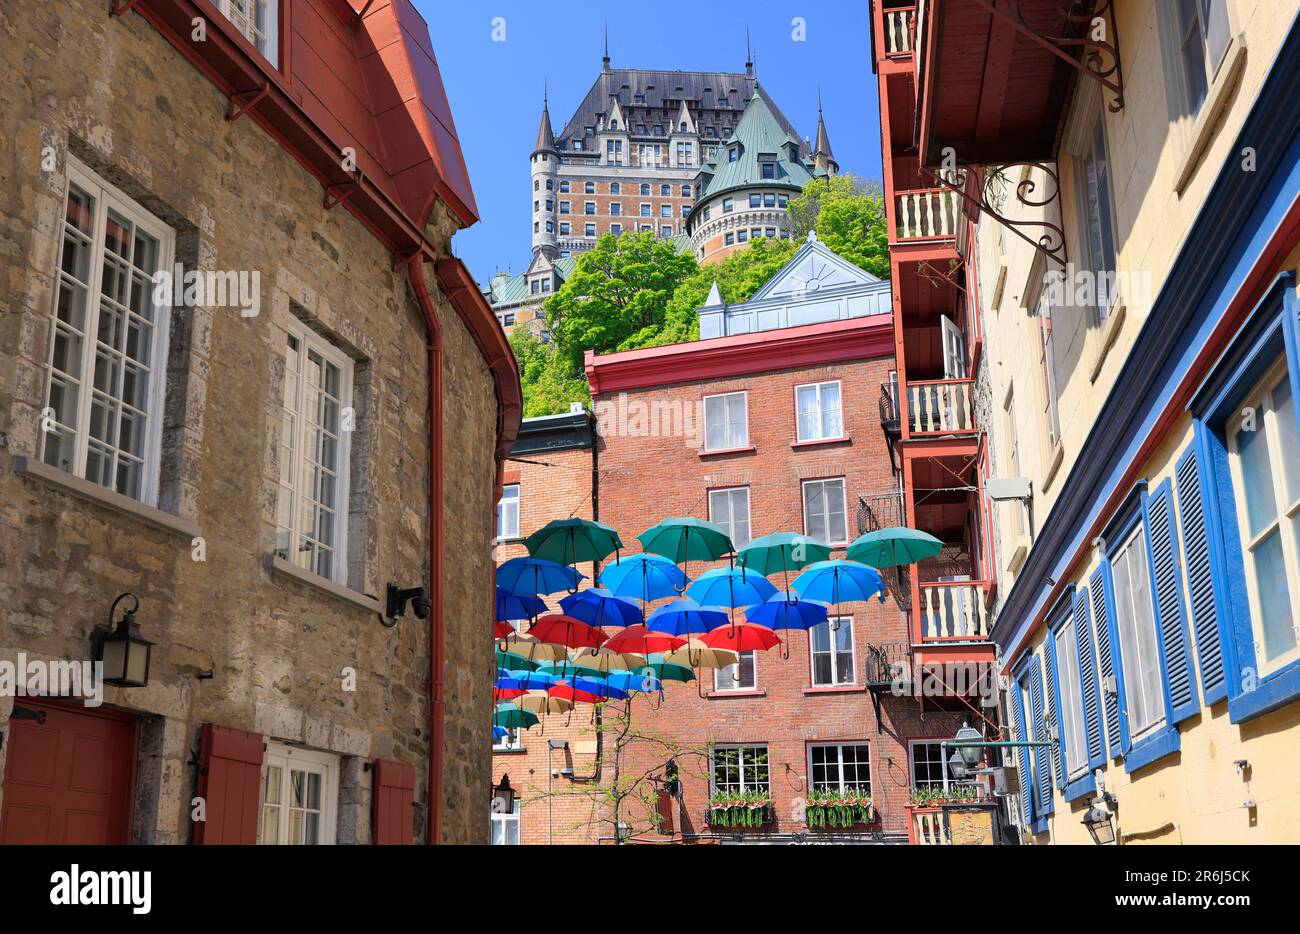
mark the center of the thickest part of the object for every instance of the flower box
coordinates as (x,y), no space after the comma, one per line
(839,810)
(738,811)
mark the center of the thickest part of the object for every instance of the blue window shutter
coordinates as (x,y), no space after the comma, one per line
(1170,622)
(1200,577)
(1042,759)
(1053,691)
(1088,681)
(1108,676)
(1022,757)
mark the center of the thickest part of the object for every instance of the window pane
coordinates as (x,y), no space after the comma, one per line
(1257,476)
(1284,406)
(1274,597)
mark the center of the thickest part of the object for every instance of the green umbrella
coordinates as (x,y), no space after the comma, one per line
(686,539)
(512,717)
(568,541)
(512,662)
(565,670)
(885,548)
(783,551)
(667,671)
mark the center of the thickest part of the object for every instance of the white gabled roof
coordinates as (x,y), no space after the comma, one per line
(812,269)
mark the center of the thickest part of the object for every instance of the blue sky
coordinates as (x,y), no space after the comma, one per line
(496,87)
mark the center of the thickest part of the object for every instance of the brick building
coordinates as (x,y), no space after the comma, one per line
(258,464)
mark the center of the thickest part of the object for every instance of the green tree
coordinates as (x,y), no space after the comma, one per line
(617,296)
(848,214)
(548,379)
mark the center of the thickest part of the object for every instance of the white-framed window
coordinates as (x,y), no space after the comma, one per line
(104,376)
(1139,647)
(1203,34)
(740,769)
(726,421)
(818,410)
(508,512)
(512,741)
(842,767)
(258,21)
(831,652)
(299,797)
(1050,385)
(311,515)
(1013,459)
(930,767)
(1264,457)
(1097,212)
(505,827)
(1073,737)
(729,509)
(742,676)
(824,510)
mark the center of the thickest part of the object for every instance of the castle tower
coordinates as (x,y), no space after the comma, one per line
(823,159)
(545,167)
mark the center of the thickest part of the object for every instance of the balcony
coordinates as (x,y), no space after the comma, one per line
(926,214)
(888,664)
(890,421)
(899,32)
(940,407)
(952,611)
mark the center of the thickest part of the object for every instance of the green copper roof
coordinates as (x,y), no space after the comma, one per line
(504,289)
(758,138)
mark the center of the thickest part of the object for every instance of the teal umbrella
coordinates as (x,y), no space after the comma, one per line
(511,661)
(568,541)
(886,548)
(512,717)
(667,671)
(686,539)
(783,551)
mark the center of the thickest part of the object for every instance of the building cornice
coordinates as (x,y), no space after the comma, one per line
(742,354)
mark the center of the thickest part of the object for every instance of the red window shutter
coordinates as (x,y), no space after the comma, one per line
(230,775)
(393,803)
(664,808)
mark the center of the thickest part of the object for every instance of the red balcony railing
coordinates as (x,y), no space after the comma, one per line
(941,406)
(926,214)
(899,32)
(950,611)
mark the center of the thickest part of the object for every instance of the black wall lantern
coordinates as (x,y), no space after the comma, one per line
(1099,818)
(125,655)
(503,797)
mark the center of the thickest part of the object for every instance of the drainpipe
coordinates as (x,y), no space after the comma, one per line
(437,617)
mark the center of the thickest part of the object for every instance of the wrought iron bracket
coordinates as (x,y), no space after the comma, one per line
(339,192)
(1051,242)
(241,102)
(1098,55)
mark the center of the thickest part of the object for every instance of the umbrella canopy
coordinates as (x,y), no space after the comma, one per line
(686,539)
(643,577)
(596,606)
(733,587)
(501,628)
(642,641)
(839,581)
(631,681)
(499,733)
(604,660)
(544,703)
(741,637)
(518,606)
(511,716)
(699,655)
(531,648)
(514,662)
(528,577)
(587,691)
(785,611)
(667,671)
(885,548)
(524,681)
(558,629)
(783,551)
(685,616)
(564,670)
(569,541)
(500,694)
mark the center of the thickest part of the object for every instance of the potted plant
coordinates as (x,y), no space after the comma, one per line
(838,809)
(739,809)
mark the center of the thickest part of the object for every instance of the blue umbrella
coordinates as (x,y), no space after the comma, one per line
(839,581)
(596,606)
(532,576)
(784,611)
(524,680)
(732,587)
(599,688)
(499,733)
(685,616)
(644,577)
(634,681)
(518,606)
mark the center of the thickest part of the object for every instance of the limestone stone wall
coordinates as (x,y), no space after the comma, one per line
(238,643)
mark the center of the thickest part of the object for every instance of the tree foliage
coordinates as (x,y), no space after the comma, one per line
(549,381)
(848,214)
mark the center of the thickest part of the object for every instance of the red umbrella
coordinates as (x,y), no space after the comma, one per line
(500,694)
(741,637)
(501,629)
(569,693)
(558,629)
(643,641)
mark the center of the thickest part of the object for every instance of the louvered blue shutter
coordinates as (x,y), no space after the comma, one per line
(1088,681)
(1200,577)
(1052,689)
(1022,757)
(1171,624)
(1042,759)
(1110,698)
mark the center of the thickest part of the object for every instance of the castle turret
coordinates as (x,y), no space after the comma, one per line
(545,167)
(823,159)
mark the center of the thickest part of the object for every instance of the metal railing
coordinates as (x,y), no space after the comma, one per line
(887,664)
(890,419)
(942,406)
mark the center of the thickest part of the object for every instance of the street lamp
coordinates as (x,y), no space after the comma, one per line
(966,758)
(1098,819)
(125,656)
(503,797)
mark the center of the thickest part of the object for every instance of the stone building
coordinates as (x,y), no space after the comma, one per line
(252,460)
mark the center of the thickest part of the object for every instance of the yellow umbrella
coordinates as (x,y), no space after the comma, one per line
(531,649)
(542,703)
(696,654)
(603,660)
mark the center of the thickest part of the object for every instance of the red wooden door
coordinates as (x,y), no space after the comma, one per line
(69,779)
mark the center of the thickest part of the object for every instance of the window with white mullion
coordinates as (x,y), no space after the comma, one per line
(726,421)
(824,510)
(819,414)
(740,676)
(103,380)
(1265,466)
(740,769)
(1071,726)
(730,509)
(1139,649)
(258,22)
(831,652)
(840,767)
(298,798)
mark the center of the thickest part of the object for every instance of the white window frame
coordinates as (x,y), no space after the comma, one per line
(310,341)
(107,197)
(237,13)
(504,534)
(841,786)
(513,740)
(726,420)
(1072,731)
(507,821)
(729,522)
(844,509)
(1132,658)
(727,679)
(819,409)
(834,625)
(742,748)
(1094,129)
(295,758)
(1286,512)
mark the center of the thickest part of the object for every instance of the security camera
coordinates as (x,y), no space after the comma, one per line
(395,605)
